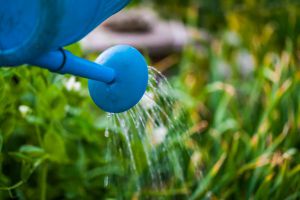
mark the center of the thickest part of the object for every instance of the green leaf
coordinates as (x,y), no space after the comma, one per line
(55,147)
(20,156)
(32,151)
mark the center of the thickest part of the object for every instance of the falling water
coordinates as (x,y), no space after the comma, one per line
(147,141)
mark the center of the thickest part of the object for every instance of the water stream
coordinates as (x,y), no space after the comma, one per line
(147,142)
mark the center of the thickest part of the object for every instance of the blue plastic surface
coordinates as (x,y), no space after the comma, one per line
(54,61)
(130,82)
(29,28)
(33,32)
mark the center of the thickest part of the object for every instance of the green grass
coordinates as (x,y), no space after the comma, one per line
(248,142)
(244,141)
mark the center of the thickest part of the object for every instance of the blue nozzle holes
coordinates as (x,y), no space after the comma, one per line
(130,82)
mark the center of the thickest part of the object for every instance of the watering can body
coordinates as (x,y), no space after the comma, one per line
(28,28)
(34,32)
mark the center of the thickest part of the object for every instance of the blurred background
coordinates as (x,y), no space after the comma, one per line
(234,67)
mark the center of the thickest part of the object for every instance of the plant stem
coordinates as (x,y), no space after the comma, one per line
(43,181)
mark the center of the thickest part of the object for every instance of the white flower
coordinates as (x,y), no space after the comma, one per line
(159,135)
(24,110)
(245,62)
(72,85)
(148,101)
(224,69)
(232,38)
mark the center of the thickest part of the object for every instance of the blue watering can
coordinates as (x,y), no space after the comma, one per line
(34,32)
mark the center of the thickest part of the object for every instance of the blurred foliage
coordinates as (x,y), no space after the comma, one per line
(238,79)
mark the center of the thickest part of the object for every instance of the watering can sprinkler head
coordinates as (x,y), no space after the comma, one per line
(34,32)
(129,83)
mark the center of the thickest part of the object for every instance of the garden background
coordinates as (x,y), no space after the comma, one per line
(238,81)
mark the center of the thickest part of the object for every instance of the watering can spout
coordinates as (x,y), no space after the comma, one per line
(64,62)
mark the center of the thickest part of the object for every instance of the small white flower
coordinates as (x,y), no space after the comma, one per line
(232,38)
(224,69)
(159,135)
(245,62)
(24,110)
(148,101)
(72,85)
